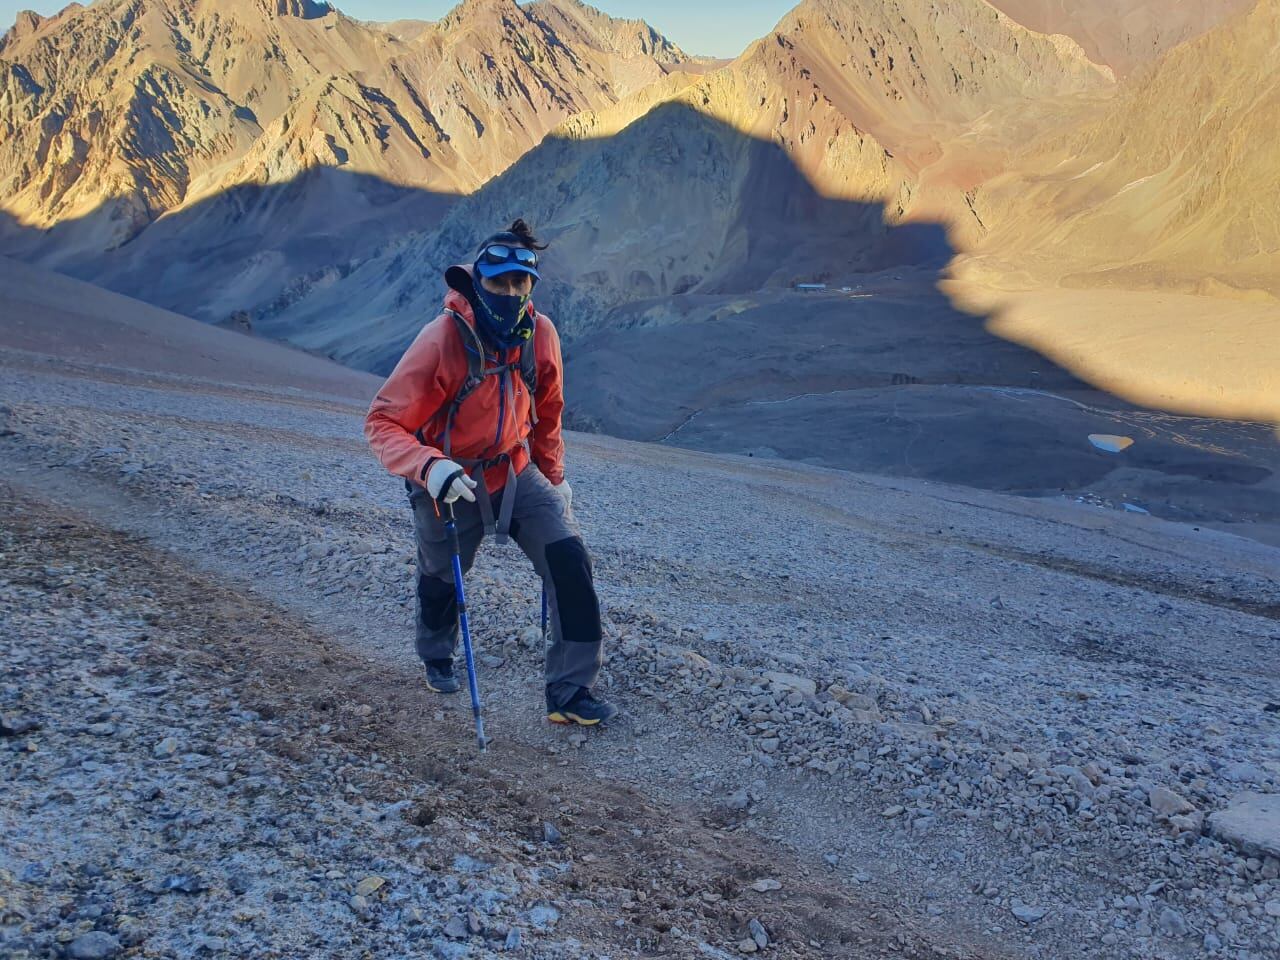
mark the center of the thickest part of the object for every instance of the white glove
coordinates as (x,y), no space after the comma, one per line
(566,492)
(462,485)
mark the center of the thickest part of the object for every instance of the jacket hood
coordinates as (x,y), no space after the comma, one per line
(461,281)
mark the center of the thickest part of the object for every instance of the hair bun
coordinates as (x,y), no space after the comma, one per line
(522,230)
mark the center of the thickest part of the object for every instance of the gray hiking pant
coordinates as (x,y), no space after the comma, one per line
(546,531)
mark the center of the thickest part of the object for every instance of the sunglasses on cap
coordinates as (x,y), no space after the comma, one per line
(500,253)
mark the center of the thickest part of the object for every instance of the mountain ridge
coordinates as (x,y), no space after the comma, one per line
(142,99)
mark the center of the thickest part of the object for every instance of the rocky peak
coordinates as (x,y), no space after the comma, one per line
(480,13)
(27,22)
(302,9)
(299,9)
(603,32)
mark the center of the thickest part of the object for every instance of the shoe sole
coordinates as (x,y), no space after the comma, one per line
(565,717)
(439,690)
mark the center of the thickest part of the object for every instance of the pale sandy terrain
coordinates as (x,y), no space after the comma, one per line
(1200,356)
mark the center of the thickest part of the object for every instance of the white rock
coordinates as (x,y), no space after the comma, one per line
(1251,823)
(1167,803)
(790,681)
(1027,913)
(1171,923)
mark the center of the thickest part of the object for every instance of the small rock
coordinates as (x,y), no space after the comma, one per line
(239,883)
(165,748)
(456,928)
(747,946)
(1027,913)
(765,884)
(1241,771)
(550,833)
(790,681)
(738,800)
(369,885)
(1171,923)
(182,883)
(894,811)
(758,933)
(513,939)
(543,916)
(11,726)
(93,946)
(1272,908)
(1167,803)
(1191,823)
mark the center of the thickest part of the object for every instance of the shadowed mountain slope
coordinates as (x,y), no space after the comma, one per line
(121,112)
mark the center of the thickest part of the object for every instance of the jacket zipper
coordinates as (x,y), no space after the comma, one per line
(502,406)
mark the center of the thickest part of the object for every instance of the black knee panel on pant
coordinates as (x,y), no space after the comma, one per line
(575,591)
(438,601)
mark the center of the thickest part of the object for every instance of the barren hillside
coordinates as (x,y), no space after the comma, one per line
(130,117)
(1123,34)
(1174,183)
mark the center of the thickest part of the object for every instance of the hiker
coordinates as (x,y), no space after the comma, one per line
(470,416)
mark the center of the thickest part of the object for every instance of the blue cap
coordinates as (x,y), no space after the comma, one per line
(494,269)
(512,264)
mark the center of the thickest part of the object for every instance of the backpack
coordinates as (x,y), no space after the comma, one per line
(477,371)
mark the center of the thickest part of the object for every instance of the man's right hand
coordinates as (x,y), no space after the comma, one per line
(449,477)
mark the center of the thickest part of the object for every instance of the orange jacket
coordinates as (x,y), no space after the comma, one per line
(417,395)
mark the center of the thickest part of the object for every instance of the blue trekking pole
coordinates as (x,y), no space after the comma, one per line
(451,528)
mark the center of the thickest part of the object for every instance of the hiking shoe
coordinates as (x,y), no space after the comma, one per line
(440,678)
(584,708)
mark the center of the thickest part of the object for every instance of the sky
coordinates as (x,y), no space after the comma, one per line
(714,29)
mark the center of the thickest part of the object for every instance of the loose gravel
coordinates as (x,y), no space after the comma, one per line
(1016,722)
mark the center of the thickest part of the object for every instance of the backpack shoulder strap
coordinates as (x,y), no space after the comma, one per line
(529,369)
(529,364)
(470,346)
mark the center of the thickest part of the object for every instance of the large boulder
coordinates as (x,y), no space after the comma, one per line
(1251,822)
